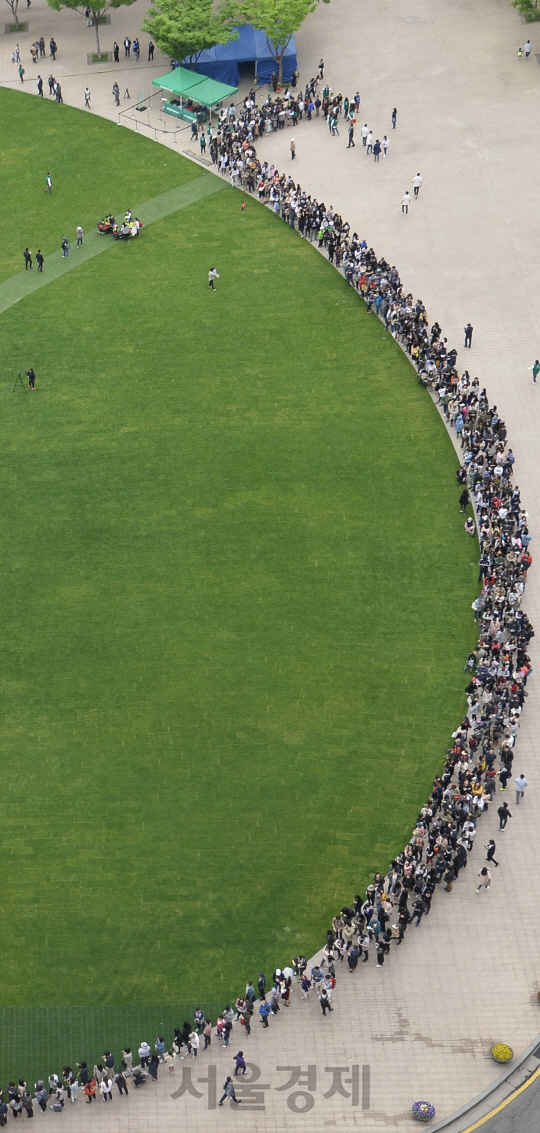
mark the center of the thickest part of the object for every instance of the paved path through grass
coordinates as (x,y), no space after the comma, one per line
(16,288)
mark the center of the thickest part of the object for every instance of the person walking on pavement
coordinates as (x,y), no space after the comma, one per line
(468,335)
(39,259)
(364,132)
(535,369)
(151,49)
(293,149)
(504,815)
(40,86)
(325,997)
(417,185)
(521,787)
(21,72)
(405,203)
(369,143)
(376,150)
(116,52)
(491,847)
(87,98)
(485,878)
(527,49)
(53,49)
(65,248)
(385,144)
(27,259)
(394,118)
(80,234)
(519,52)
(228,1091)
(116,93)
(351,137)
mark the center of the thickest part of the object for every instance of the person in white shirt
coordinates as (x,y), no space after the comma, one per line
(194,1043)
(385,144)
(405,202)
(144,1053)
(364,132)
(369,143)
(417,184)
(521,787)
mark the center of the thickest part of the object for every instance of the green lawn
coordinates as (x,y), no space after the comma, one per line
(235,593)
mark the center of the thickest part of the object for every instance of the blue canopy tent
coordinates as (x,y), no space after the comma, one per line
(221,62)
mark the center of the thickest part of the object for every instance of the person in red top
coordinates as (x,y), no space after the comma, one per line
(90,1091)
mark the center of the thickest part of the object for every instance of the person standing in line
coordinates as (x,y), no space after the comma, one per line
(385,144)
(116,93)
(535,369)
(27,259)
(87,98)
(369,143)
(417,185)
(121,1083)
(491,847)
(194,1043)
(21,72)
(264,1011)
(376,150)
(351,137)
(39,259)
(212,275)
(521,787)
(405,202)
(485,879)
(527,49)
(207,1032)
(293,149)
(116,52)
(151,49)
(364,132)
(464,501)
(40,86)
(228,1092)
(468,335)
(80,234)
(394,118)
(65,248)
(504,815)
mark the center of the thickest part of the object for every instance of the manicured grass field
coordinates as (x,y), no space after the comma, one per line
(235,592)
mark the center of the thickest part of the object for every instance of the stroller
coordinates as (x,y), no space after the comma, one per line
(106,225)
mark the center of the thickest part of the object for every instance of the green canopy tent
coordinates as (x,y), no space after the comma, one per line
(198,88)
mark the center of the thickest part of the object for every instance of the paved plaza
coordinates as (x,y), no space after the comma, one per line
(468,113)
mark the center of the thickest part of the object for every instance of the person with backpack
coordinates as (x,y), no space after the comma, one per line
(325,998)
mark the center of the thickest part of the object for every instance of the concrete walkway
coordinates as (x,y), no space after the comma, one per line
(468,121)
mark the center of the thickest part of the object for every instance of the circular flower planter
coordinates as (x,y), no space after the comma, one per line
(501,1052)
(423,1111)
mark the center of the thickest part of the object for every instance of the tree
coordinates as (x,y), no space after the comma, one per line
(98,8)
(184,28)
(528,8)
(279,19)
(14,4)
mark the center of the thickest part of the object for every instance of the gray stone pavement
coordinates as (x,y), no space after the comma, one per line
(468,121)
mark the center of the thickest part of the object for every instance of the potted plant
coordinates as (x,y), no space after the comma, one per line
(423,1111)
(501,1052)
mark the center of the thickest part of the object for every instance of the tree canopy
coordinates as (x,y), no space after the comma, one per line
(98,8)
(184,28)
(279,19)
